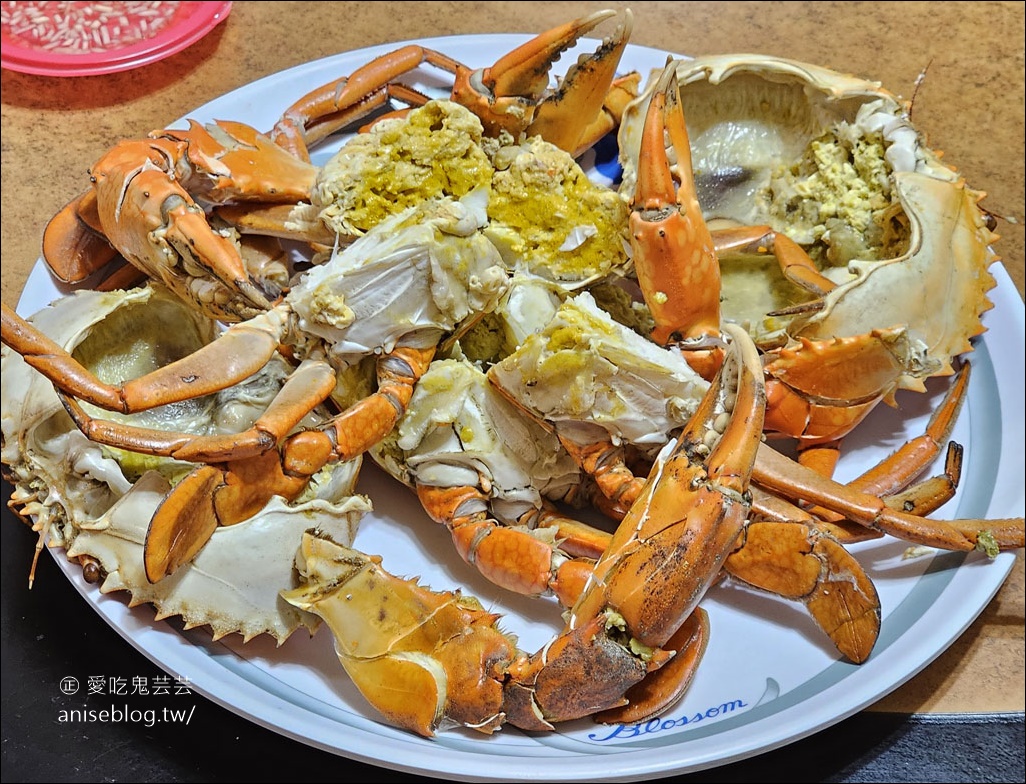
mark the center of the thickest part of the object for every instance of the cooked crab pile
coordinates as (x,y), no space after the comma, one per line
(465,305)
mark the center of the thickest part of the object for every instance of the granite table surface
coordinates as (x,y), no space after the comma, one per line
(964,64)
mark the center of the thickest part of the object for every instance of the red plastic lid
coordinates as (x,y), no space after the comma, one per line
(86,39)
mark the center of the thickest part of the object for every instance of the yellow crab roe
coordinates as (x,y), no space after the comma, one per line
(841,187)
(435,151)
(546,212)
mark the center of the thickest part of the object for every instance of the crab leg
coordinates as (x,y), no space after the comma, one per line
(777,473)
(891,478)
(245,469)
(231,161)
(800,561)
(931,494)
(604,461)
(797,555)
(675,254)
(797,559)
(308,386)
(214,495)
(794,262)
(618,486)
(900,468)
(513,558)
(337,104)
(800,557)
(920,498)
(237,354)
(814,394)
(506,96)
(794,556)
(590,89)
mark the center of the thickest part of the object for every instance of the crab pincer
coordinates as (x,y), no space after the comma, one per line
(621,632)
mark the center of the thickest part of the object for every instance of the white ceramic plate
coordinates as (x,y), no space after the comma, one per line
(769,676)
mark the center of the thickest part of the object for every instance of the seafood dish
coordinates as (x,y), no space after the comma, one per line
(614,396)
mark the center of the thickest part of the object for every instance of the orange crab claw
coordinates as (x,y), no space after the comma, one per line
(674,254)
(664,687)
(147,203)
(664,555)
(510,95)
(634,636)
(507,96)
(590,89)
(74,246)
(694,490)
(147,215)
(819,391)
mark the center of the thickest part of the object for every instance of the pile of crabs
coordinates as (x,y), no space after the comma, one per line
(452,296)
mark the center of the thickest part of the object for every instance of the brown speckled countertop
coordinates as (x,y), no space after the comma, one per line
(970,104)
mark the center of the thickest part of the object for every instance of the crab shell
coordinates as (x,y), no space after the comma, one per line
(417,274)
(97,502)
(592,378)
(460,432)
(834,162)
(58,474)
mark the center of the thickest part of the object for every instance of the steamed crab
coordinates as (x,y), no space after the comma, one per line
(833,163)
(149,195)
(322,320)
(95,502)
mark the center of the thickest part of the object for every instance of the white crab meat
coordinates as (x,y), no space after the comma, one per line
(585,372)
(414,276)
(460,432)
